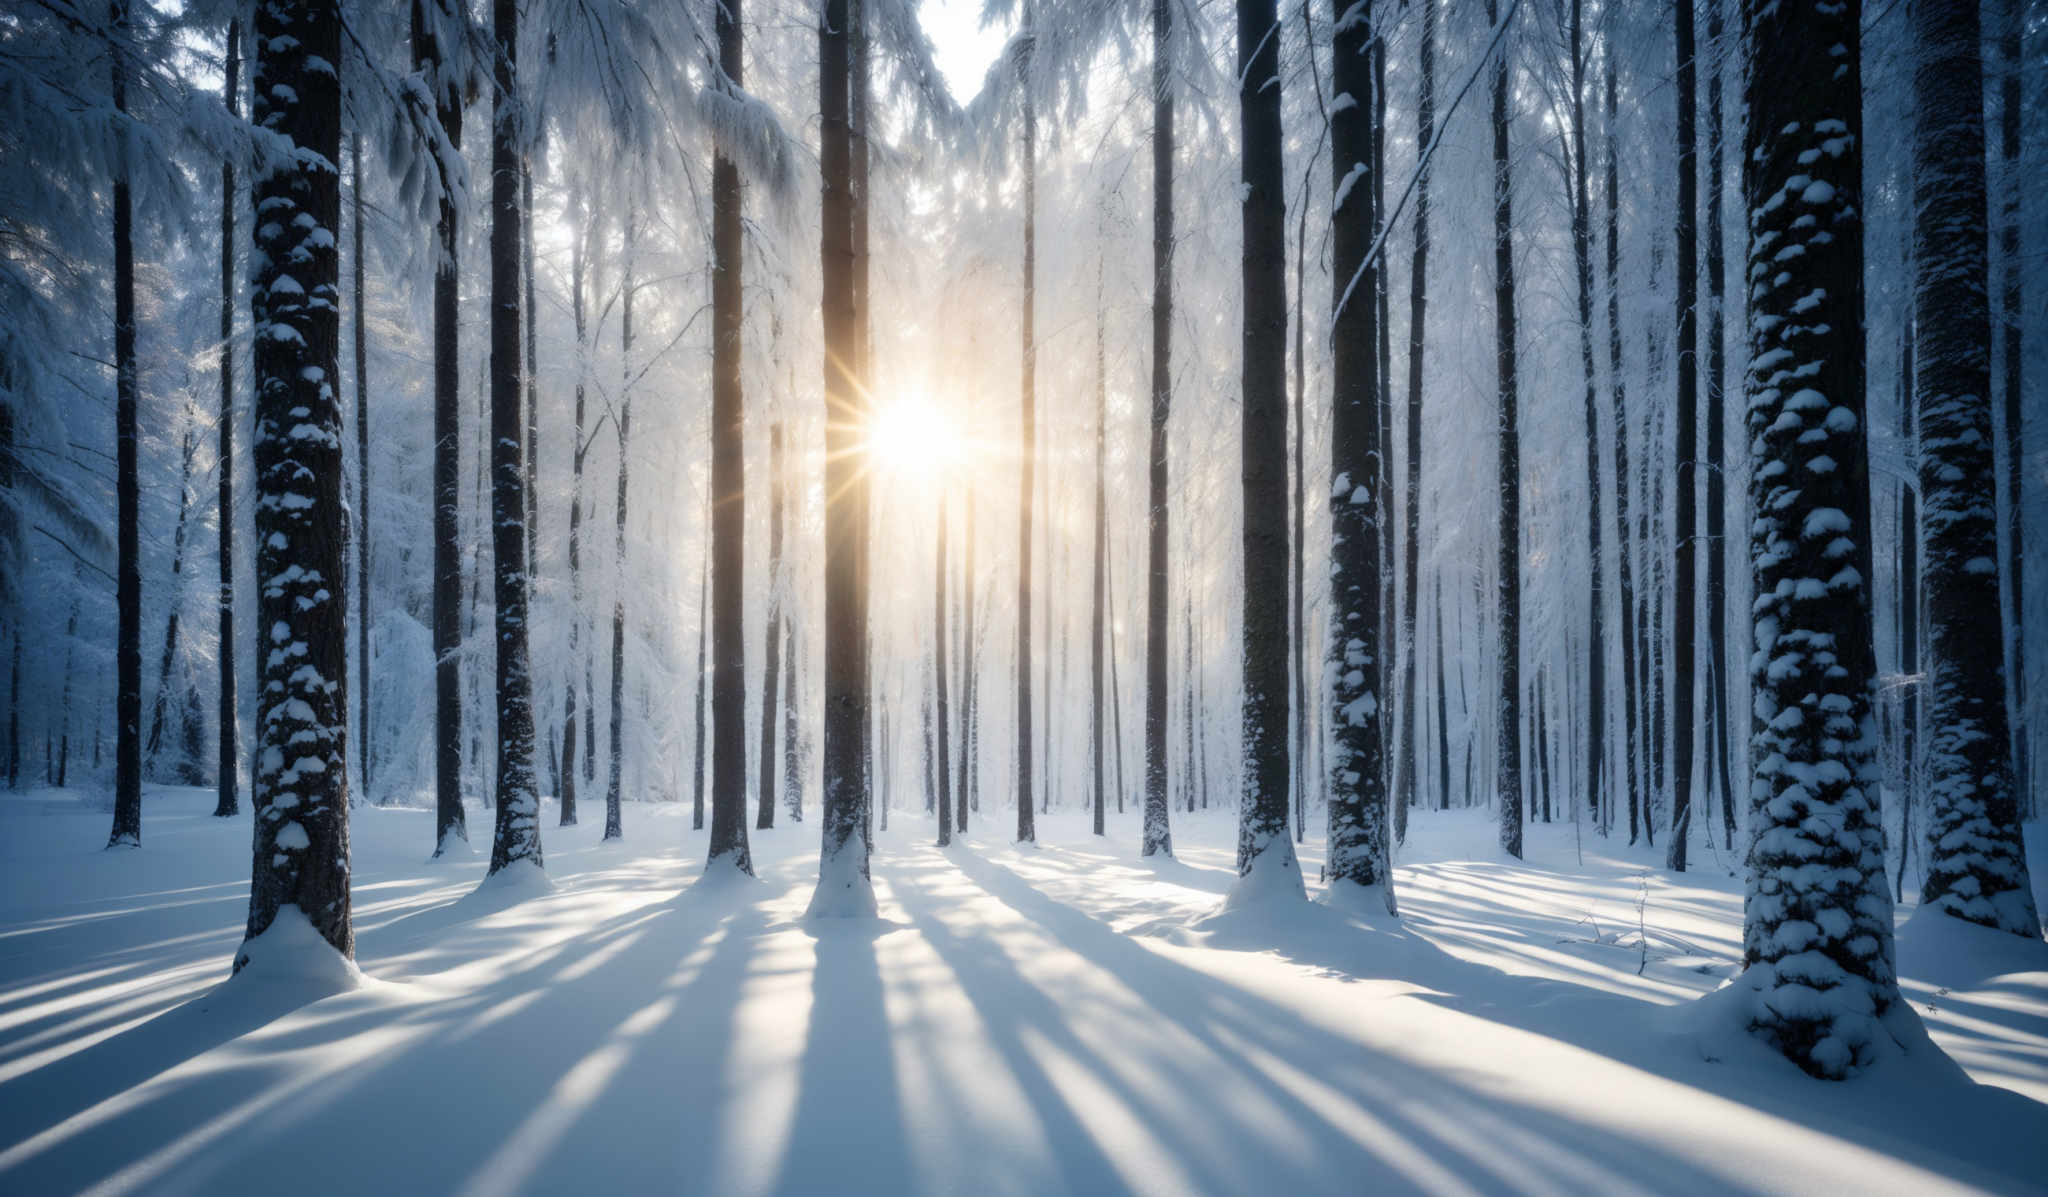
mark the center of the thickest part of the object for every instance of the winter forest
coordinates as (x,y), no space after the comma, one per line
(1023,596)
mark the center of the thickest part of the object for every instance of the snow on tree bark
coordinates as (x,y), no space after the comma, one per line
(1976,862)
(579,316)
(1582,256)
(1158,826)
(1685,543)
(616,725)
(516,836)
(1631,679)
(300,785)
(227,780)
(1266,865)
(1356,768)
(1418,300)
(1817,934)
(127,830)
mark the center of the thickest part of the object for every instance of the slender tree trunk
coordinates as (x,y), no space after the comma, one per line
(614,827)
(1099,619)
(300,856)
(1976,861)
(970,741)
(1356,770)
(1719,712)
(1298,509)
(1818,915)
(858,83)
(792,749)
(580,317)
(945,714)
(1418,292)
(127,830)
(362,504)
(1508,712)
(703,686)
(1158,831)
(1116,690)
(63,700)
(517,835)
(1582,254)
(1027,441)
(1443,696)
(771,673)
(1908,619)
(1266,865)
(430,58)
(1624,553)
(532,380)
(843,885)
(183,775)
(1685,543)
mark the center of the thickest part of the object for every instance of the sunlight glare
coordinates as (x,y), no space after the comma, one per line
(910,435)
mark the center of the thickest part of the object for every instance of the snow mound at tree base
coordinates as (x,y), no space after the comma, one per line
(509,886)
(1274,877)
(292,956)
(722,875)
(1729,1026)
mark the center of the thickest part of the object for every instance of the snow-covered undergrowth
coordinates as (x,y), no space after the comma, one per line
(1069,1018)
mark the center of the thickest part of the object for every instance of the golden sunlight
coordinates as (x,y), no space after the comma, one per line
(911,436)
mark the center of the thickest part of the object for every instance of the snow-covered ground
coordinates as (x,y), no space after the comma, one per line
(1038,1020)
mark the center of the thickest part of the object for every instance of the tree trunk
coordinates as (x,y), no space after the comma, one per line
(1266,865)
(183,774)
(792,749)
(1418,291)
(1116,691)
(698,745)
(1508,710)
(300,787)
(970,741)
(771,673)
(1624,554)
(1027,438)
(1582,254)
(431,59)
(614,827)
(517,834)
(1908,548)
(2013,318)
(1158,833)
(1976,861)
(127,830)
(844,889)
(227,776)
(1817,916)
(1356,769)
(1443,698)
(945,714)
(580,317)
(1685,542)
(1099,619)
(532,463)
(1719,712)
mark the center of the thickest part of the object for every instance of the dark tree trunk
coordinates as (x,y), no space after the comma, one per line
(944,737)
(1356,770)
(614,827)
(1027,439)
(1266,866)
(1418,302)
(970,740)
(792,749)
(1976,860)
(1685,542)
(843,885)
(1624,554)
(1817,916)
(771,673)
(580,316)
(1582,255)
(432,59)
(1099,619)
(1443,719)
(1508,698)
(1908,548)
(1116,691)
(227,778)
(362,513)
(532,446)
(698,745)
(184,774)
(1719,713)
(1298,510)
(1158,832)
(728,491)
(300,856)
(517,834)
(127,829)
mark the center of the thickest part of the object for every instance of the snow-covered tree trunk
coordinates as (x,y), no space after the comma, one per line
(1976,861)
(1357,765)
(434,60)
(1409,762)
(300,785)
(127,830)
(227,779)
(844,889)
(516,837)
(1508,666)
(1817,933)
(771,672)
(362,498)
(1266,864)
(1158,828)
(580,318)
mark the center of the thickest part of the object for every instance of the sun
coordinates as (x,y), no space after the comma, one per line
(909,435)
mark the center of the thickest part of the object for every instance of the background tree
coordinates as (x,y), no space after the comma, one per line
(1508,699)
